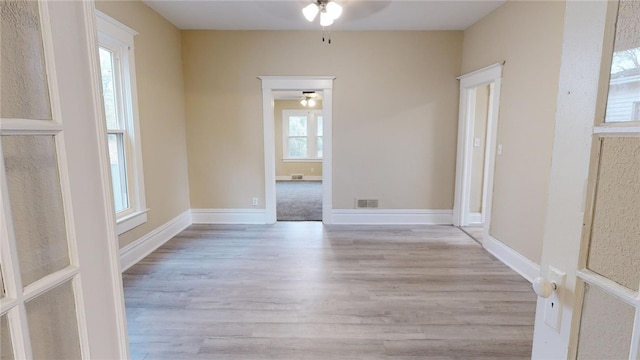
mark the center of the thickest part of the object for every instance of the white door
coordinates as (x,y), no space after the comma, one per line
(591,246)
(60,288)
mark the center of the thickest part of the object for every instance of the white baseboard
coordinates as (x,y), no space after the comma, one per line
(228,216)
(475,218)
(305,178)
(137,250)
(392,217)
(513,259)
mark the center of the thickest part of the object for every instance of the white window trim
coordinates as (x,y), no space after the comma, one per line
(115,34)
(311,134)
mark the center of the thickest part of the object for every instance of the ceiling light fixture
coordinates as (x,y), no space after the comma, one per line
(329,12)
(308,98)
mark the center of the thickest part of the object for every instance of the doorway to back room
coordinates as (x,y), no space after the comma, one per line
(298,125)
(270,86)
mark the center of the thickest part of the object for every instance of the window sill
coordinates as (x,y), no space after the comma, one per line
(131,221)
(302,160)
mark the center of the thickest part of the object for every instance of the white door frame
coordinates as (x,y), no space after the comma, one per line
(490,75)
(277,83)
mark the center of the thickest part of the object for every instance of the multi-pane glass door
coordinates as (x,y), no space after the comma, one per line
(610,320)
(40,301)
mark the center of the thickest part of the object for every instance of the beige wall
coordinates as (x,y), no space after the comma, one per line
(528,36)
(161,110)
(395,112)
(298,167)
(477,161)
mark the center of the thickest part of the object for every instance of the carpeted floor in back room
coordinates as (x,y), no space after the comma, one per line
(299,200)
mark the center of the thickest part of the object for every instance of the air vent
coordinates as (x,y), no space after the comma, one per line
(297,176)
(366,203)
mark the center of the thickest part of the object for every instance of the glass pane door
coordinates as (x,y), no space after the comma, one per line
(39,307)
(610,319)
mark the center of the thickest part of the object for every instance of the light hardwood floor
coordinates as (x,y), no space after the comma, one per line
(301,290)
(475,231)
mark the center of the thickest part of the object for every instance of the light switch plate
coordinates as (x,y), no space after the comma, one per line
(553,304)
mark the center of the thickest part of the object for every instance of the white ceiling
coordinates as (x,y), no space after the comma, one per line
(358,15)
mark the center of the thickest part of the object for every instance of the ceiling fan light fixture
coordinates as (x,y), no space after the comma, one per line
(334,10)
(303,102)
(325,19)
(311,103)
(310,11)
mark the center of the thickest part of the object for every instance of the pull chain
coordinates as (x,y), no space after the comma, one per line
(326,38)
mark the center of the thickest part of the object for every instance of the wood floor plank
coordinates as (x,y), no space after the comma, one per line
(303,290)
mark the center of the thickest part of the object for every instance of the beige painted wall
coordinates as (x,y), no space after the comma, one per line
(161,110)
(477,161)
(394,117)
(528,36)
(298,167)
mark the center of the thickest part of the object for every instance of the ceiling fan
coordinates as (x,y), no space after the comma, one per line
(329,11)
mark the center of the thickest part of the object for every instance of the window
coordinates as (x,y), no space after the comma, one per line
(117,70)
(302,135)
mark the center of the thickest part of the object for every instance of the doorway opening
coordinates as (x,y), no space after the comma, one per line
(272,87)
(298,125)
(477,132)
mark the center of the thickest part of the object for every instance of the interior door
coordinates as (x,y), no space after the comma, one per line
(60,288)
(591,248)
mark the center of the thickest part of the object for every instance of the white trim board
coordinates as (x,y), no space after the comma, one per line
(513,259)
(391,217)
(304,178)
(492,76)
(228,216)
(137,250)
(474,218)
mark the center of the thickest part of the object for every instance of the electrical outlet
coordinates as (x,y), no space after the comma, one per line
(552,304)
(476,142)
(499,149)
(254,201)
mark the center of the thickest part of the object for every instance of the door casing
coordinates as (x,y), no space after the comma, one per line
(490,75)
(276,83)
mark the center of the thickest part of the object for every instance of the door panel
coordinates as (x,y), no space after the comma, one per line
(6,348)
(62,297)
(610,269)
(33,183)
(614,251)
(55,309)
(25,88)
(592,227)
(605,330)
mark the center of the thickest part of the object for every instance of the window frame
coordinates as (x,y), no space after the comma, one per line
(119,39)
(312,134)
